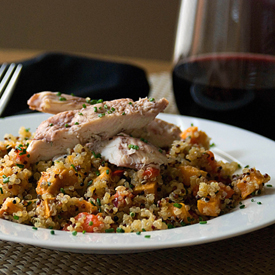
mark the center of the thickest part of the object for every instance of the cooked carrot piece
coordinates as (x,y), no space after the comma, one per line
(209,208)
(189,171)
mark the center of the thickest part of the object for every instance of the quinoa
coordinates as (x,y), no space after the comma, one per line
(81,192)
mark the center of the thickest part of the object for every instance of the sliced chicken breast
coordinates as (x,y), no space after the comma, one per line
(126,151)
(158,132)
(54,103)
(94,122)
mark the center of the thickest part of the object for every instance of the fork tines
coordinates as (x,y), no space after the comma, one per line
(8,78)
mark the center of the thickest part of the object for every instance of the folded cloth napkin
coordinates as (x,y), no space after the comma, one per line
(84,77)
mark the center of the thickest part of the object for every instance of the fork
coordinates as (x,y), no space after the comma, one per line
(8,79)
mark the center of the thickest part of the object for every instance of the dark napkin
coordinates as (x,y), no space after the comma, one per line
(84,77)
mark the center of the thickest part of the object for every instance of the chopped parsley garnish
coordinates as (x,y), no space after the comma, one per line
(100,101)
(105,106)
(76,123)
(91,223)
(52,232)
(144,140)
(212,144)
(74,233)
(269,185)
(98,202)
(123,113)
(178,205)
(110,230)
(120,230)
(242,206)
(147,236)
(50,124)
(132,146)
(247,166)
(59,93)
(151,99)
(84,105)
(138,232)
(1,190)
(62,190)
(20,165)
(80,114)
(66,125)
(203,222)
(95,109)
(62,99)
(15,217)
(101,115)
(6,179)
(259,202)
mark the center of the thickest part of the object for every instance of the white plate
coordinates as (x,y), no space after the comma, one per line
(231,144)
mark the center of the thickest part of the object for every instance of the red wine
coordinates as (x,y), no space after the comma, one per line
(224,87)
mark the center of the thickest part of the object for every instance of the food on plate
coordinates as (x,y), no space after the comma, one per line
(112,166)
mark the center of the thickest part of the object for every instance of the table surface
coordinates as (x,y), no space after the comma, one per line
(252,253)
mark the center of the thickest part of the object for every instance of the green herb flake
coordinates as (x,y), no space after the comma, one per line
(138,232)
(242,206)
(74,233)
(269,185)
(130,103)
(107,171)
(62,190)
(132,146)
(147,236)
(84,106)
(20,165)
(97,173)
(100,101)
(93,101)
(105,106)
(76,123)
(6,179)
(62,99)
(84,232)
(123,114)
(178,205)
(52,232)
(212,145)
(132,214)
(113,109)
(120,230)
(91,223)
(73,167)
(50,124)
(1,190)
(15,217)
(98,202)
(89,183)
(151,99)
(247,166)
(203,222)
(259,202)
(34,228)
(101,115)
(66,125)
(110,230)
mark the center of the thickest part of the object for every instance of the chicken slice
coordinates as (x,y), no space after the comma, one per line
(125,151)
(94,122)
(54,103)
(158,132)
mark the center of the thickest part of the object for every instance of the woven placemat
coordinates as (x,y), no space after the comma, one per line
(253,253)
